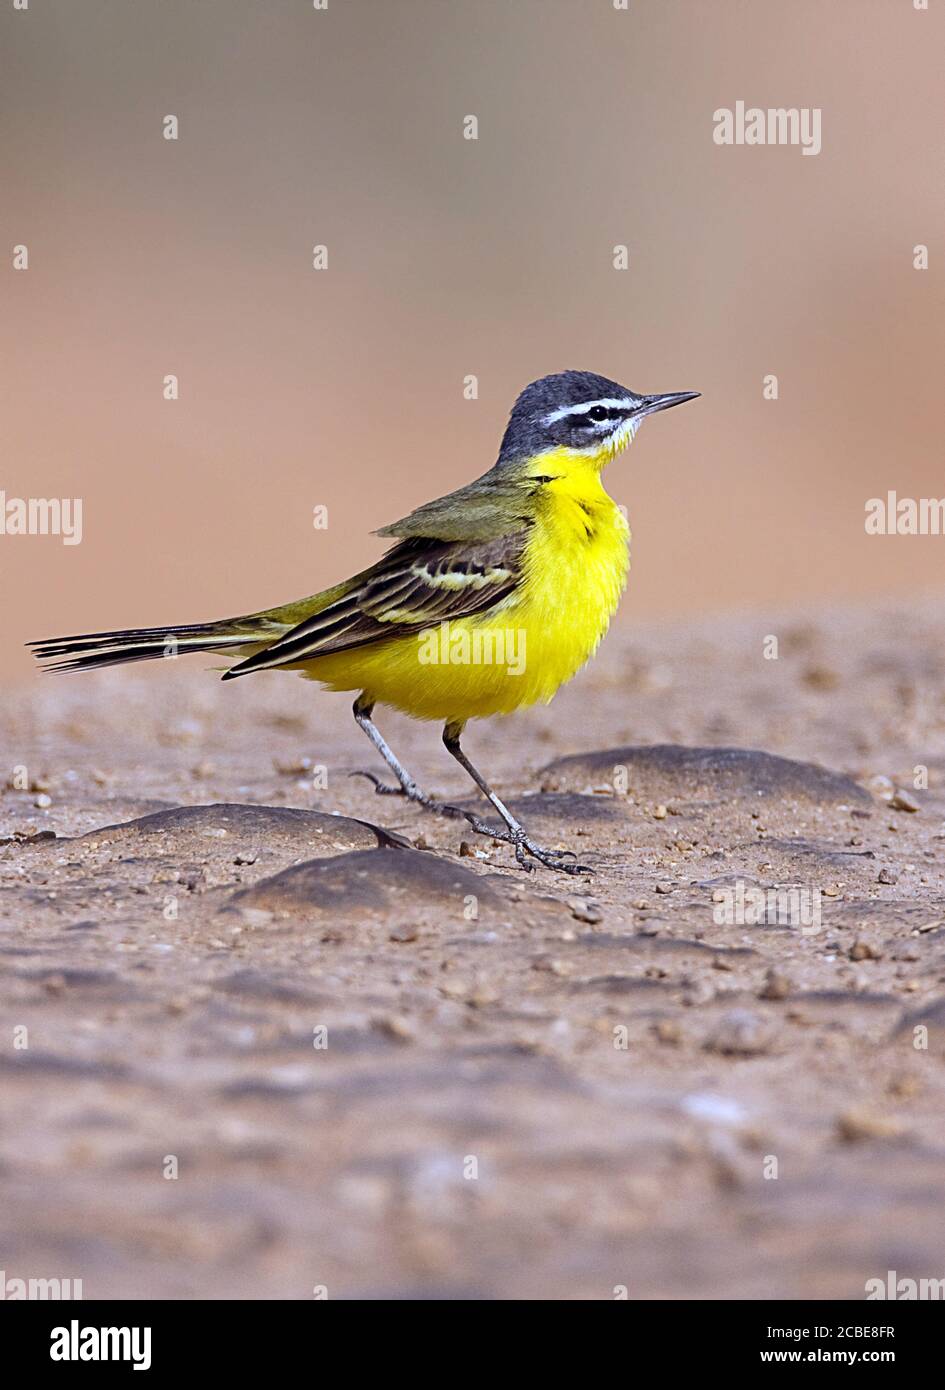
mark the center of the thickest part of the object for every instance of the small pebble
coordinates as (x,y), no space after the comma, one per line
(887,876)
(739,1033)
(293,768)
(821,678)
(404,931)
(903,801)
(696,991)
(456,988)
(903,1087)
(584,910)
(862,950)
(882,786)
(776,985)
(552,965)
(394,1026)
(483,996)
(667,1031)
(854,1126)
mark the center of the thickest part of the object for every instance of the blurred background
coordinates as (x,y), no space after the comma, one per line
(448,258)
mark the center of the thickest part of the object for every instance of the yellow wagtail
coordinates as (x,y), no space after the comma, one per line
(492,598)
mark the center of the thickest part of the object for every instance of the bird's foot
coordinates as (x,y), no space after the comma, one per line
(526,849)
(413,792)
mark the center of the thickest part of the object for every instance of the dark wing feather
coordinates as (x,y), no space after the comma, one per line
(417,583)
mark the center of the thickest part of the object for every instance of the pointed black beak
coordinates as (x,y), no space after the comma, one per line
(651,404)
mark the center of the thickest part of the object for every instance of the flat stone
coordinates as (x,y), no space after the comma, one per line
(667,772)
(283,826)
(379,880)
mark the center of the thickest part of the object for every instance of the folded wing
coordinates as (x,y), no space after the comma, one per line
(418,583)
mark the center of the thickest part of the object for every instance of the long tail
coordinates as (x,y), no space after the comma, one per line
(230,636)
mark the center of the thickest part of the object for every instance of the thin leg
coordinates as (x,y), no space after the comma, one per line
(515,834)
(406,786)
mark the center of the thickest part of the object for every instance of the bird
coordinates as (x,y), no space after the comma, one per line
(490,599)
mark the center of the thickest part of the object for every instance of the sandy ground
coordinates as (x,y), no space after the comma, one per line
(394,1065)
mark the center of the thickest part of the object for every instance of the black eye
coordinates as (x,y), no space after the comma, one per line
(598,413)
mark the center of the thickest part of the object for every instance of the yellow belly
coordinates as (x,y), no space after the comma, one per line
(518,654)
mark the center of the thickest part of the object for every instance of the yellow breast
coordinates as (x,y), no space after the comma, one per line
(520,652)
(576,568)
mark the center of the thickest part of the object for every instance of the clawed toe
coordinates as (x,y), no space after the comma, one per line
(526,850)
(381,788)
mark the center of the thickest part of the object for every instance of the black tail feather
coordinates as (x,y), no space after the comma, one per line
(90,650)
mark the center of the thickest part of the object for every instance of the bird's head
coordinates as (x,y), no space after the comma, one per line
(584,414)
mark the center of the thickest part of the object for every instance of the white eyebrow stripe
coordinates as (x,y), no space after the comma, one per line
(608,402)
